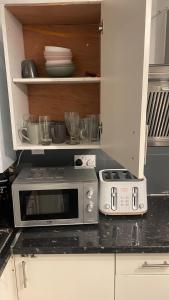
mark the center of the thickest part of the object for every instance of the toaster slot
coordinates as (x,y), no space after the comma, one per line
(110,175)
(135,198)
(114,198)
(126,175)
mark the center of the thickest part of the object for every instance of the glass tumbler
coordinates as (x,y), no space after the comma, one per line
(94,131)
(84,130)
(72,121)
(44,129)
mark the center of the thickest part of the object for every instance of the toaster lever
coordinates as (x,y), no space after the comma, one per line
(114,198)
(135,198)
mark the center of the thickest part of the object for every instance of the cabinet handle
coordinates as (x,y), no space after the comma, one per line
(147,265)
(24,274)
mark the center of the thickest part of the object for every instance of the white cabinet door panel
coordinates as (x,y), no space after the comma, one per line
(142,287)
(124,68)
(8,283)
(66,277)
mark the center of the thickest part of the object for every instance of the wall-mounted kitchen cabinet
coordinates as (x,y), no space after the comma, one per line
(63,277)
(109,38)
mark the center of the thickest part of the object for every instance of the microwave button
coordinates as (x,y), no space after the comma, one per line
(90,207)
(90,194)
(107,206)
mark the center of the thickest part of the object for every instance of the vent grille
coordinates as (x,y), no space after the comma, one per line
(158,114)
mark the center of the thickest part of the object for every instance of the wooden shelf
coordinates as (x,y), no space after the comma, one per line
(69,80)
(64,146)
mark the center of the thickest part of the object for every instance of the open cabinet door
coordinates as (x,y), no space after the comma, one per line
(124,69)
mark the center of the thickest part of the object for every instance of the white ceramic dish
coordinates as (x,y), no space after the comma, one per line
(58,62)
(61,71)
(56,58)
(56,49)
(57,53)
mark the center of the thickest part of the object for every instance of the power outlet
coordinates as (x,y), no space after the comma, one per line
(85,161)
(38,152)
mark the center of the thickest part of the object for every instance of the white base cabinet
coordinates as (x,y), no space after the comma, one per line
(86,277)
(65,277)
(142,287)
(8,289)
(142,277)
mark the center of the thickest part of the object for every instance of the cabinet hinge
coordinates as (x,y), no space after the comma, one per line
(101,27)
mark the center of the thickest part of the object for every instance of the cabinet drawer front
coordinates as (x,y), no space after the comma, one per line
(142,264)
(142,287)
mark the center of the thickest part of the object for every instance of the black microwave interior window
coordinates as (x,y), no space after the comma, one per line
(48,204)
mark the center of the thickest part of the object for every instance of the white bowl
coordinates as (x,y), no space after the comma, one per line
(58,62)
(61,71)
(54,58)
(57,53)
(57,49)
(58,56)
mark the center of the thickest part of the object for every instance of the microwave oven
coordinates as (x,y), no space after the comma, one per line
(55,196)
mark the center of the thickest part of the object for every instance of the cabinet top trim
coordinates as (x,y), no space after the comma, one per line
(60,13)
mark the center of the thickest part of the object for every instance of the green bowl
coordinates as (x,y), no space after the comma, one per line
(61,71)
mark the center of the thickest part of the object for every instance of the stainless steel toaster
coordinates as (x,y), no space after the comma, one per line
(121,193)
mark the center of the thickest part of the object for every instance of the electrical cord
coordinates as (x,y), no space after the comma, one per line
(19,158)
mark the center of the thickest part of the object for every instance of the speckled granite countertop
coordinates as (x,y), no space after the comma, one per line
(148,233)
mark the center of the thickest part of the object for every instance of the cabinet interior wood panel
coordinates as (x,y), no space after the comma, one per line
(56,99)
(83,40)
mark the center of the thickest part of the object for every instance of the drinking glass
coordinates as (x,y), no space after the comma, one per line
(94,121)
(84,130)
(72,120)
(44,129)
(58,132)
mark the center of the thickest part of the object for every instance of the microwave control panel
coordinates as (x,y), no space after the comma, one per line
(90,202)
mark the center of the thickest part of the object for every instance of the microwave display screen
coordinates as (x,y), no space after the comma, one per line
(49,204)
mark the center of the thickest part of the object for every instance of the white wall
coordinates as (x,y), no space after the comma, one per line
(158,32)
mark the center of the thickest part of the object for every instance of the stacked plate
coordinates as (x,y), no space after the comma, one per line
(59,61)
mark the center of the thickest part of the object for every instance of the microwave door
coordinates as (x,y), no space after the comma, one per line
(47,206)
